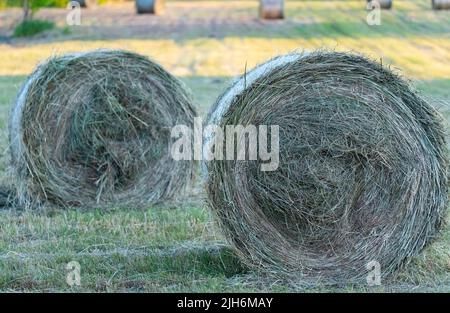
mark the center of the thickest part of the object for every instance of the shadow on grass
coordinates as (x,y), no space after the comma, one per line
(198,260)
(129,267)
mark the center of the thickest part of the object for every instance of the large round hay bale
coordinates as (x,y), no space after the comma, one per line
(440,4)
(149,6)
(93,129)
(271,9)
(382,4)
(361,175)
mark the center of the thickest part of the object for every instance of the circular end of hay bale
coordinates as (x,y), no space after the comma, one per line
(149,6)
(93,130)
(271,9)
(86,3)
(440,4)
(382,4)
(361,177)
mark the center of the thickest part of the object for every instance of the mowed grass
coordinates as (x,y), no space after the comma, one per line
(178,246)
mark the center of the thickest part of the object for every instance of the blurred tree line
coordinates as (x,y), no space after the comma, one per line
(31,6)
(34,3)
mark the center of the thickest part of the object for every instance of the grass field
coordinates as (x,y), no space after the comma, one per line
(177,247)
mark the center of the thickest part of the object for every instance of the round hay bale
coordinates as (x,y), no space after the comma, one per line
(362,174)
(93,130)
(440,4)
(149,6)
(382,4)
(271,9)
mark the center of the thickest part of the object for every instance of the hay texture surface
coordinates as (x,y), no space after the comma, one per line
(362,173)
(93,129)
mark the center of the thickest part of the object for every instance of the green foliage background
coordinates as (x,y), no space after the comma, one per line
(35,4)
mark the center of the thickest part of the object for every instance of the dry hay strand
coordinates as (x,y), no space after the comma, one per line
(362,176)
(93,130)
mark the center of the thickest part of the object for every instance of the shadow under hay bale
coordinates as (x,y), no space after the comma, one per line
(440,4)
(150,6)
(362,174)
(93,130)
(271,9)
(7,197)
(382,4)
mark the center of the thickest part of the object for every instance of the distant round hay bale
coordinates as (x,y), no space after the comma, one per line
(440,4)
(383,4)
(93,130)
(149,6)
(362,173)
(271,9)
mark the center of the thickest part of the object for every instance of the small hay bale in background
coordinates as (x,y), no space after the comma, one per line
(93,129)
(362,175)
(149,6)
(271,9)
(382,4)
(440,4)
